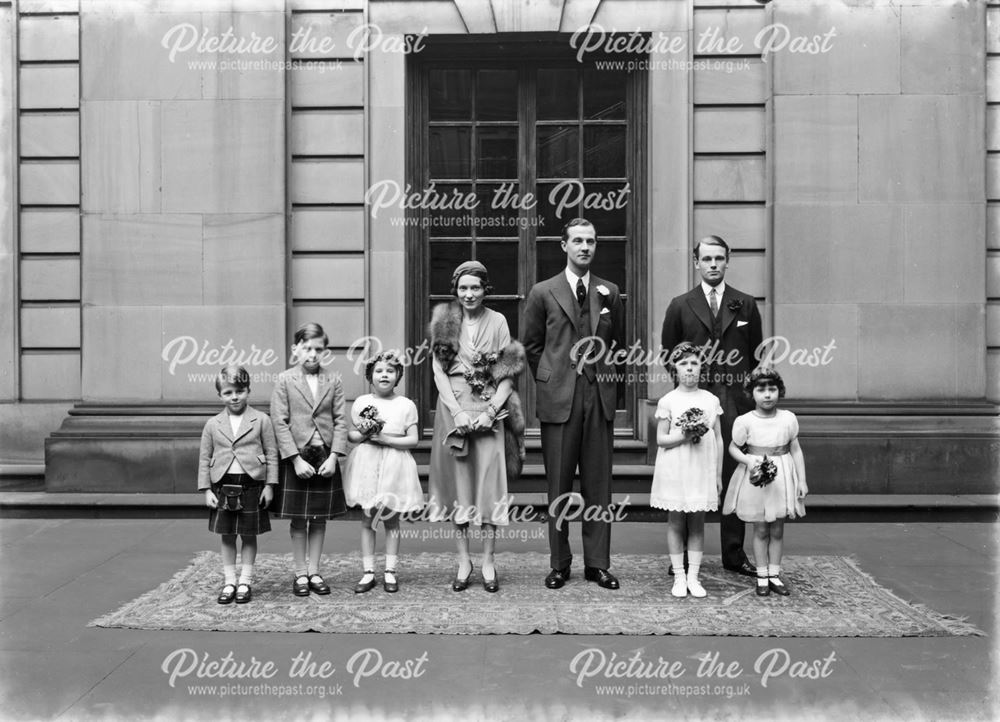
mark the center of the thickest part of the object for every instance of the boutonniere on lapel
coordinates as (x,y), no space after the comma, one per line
(735,305)
(605,295)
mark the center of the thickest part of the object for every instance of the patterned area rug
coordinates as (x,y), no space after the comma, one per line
(831,597)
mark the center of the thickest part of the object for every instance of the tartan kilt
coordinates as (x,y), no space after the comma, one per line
(316,498)
(251,520)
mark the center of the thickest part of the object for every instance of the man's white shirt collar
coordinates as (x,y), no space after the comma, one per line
(573,278)
(719,290)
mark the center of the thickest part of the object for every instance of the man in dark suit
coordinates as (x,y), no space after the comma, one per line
(576,397)
(727,324)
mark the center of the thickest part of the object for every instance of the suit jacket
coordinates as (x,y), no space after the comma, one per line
(550,331)
(296,415)
(689,318)
(253,446)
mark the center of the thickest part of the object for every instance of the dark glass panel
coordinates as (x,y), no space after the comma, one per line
(494,217)
(496,155)
(449,152)
(497,95)
(557,94)
(450,221)
(604,151)
(604,94)
(500,259)
(450,94)
(600,207)
(445,258)
(550,259)
(557,204)
(558,151)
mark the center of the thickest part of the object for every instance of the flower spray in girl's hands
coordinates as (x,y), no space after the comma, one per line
(693,423)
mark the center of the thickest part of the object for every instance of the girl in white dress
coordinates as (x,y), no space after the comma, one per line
(381,474)
(769,433)
(687,477)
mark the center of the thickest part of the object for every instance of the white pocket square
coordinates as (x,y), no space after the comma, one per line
(741,323)
(605,310)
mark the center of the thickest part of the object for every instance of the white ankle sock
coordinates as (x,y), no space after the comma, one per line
(368,562)
(773,570)
(391,562)
(229,571)
(677,563)
(761,576)
(694,562)
(246,574)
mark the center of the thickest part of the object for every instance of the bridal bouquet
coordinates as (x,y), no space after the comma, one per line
(480,376)
(763,473)
(369,423)
(694,424)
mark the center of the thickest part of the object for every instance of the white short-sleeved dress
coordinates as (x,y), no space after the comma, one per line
(770,436)
(379,475)
(684,476)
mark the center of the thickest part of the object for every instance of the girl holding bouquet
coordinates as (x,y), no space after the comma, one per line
(381,474)
(687,477)
(769,485)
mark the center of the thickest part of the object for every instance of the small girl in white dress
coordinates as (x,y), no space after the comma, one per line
(687,477)
(381,474)
(771,433)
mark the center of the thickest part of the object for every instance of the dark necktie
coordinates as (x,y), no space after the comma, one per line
(581,291)
(713,302)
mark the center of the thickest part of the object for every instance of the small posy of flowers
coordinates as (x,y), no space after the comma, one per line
(735,305)
(694,424)
(370,424)
(763,473)
(480,376)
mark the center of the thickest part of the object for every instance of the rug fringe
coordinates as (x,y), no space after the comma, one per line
(955,625)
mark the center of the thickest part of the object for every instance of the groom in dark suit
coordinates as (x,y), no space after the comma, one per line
(576,397)
(725,322)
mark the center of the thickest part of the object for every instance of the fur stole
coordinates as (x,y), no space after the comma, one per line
(445,327)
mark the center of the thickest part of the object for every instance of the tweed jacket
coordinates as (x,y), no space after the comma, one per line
(253,446)
(296,414)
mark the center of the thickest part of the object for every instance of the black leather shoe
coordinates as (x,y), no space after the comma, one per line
(388,586)
(243,597)
(227,594)
(556,578)
(300,586)
(781,589)
(763,589)
(360,588)
(317,584)
(603,577)
(460,585)
(492,585)
(744,568)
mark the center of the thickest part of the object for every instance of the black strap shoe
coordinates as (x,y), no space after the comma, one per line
(317,584)
(361,588)
(389,582)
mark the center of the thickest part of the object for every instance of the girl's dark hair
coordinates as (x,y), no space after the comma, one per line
(235,376)
(309,331)
(763,375)
(684,348)
(388,357)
